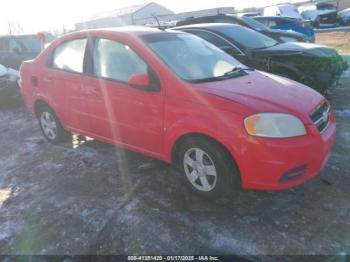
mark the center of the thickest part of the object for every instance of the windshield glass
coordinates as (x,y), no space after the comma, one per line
(326,7)
(190,57)
(254,24)
(246,37)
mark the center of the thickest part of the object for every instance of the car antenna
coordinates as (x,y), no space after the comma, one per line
(159,26)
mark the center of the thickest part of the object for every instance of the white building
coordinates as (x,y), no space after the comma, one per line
(133,15)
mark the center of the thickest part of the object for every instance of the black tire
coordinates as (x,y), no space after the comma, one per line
(61,135)
(227,174)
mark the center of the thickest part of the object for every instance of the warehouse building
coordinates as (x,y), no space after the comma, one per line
(133,15)
(144,15)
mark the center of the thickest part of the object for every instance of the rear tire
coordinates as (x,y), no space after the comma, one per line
(51,126)
(207,168)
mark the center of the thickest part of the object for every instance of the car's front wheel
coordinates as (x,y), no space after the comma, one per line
(51,126)
(208,169)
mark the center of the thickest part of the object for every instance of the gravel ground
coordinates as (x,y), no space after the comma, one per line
(86,197)
(338,40)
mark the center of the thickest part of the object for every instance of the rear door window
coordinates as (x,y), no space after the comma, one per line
(224,19)
(215,40)
(69,56)
(271,23)
(284,21)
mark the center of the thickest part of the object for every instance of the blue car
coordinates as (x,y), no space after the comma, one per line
(285,23)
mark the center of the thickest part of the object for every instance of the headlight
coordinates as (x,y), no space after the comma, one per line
(274,125)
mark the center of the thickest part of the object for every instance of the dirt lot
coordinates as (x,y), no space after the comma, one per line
(338,40)
(95,199)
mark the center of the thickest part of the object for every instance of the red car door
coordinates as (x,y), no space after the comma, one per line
(120,113)
(66,76)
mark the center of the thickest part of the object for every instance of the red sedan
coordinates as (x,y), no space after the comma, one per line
(178,98)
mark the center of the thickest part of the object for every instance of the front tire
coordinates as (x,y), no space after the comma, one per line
(208,169)
(51,126)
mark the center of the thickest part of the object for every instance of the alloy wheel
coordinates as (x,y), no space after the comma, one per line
(200,169)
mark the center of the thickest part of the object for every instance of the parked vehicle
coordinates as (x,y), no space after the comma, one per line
(173,96)
(278,35)
(314,65)
(249,14)
(283,10)
(9,89)
(321,13)
(284,23)
(344,16)
(14,49)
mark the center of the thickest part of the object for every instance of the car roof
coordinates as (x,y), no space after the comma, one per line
(274,17)
(208,26)
(132,30)
(209,16)
(271,16)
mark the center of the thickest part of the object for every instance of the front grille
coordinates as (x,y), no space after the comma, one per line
(321,116)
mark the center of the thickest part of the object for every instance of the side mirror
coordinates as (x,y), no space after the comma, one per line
(142,82)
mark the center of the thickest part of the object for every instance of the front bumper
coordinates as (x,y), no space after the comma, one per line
(277,164)
(323,73)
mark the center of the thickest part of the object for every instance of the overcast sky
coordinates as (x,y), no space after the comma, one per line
(40,15)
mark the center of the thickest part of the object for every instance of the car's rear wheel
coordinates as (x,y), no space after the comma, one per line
(208,169)
(51,126)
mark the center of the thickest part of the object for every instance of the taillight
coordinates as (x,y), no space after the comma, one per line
(300,24)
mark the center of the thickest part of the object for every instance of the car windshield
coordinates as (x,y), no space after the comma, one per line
(254,24)
(191,58)
(326,7)
(247,38)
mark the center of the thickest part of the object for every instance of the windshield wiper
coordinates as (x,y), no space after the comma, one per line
(237,69)
(234,72)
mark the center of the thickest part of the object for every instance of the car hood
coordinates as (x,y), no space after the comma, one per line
(285,33)
(344,13)
(293,48)
(263,92)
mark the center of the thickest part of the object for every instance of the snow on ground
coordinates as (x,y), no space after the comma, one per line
(97,199)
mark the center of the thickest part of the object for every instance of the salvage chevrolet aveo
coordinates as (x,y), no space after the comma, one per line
(173,96)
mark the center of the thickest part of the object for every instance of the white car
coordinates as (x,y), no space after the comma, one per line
(344,16)
(321,13)
(284,10)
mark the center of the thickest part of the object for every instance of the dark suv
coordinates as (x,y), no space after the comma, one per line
(14,49)
(279,35)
